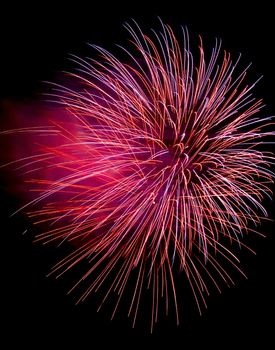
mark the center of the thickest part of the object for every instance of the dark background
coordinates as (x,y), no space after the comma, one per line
(35,41)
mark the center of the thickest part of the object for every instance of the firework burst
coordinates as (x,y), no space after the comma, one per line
(156,168)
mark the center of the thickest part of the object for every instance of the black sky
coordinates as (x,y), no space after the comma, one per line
(35,42)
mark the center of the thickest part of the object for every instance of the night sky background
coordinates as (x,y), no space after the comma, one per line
(35,42)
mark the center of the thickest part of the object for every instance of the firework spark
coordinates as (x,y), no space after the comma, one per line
(156,169)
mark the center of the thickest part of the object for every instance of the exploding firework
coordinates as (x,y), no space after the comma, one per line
(153,166)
